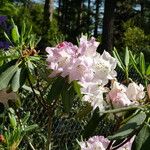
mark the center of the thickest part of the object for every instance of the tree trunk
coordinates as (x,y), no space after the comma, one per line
(59,12)
(96,18)
(108,21)
(88,16)
(48,13)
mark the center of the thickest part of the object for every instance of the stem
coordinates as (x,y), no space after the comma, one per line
(123,109)
(50,117)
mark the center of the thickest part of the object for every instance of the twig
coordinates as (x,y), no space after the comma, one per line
(30,83)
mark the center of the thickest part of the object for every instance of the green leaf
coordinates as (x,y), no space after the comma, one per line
(142,140)
(148,70)
(25,119)
(13,121)
(56,89)
(23,75)
(92,124)
(30,128)
(119,61)
(142,63)
(5,34)
(127,57)
(135,64)
(15,34)
(7,65)
(23,29)
(83,112)
(77,87)
(7,75)
(15,84)
(129,127)
(68,95)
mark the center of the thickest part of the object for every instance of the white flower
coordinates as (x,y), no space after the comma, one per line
(135,92)
(94,95)
(104,66)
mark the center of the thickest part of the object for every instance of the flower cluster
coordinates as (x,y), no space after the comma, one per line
(101,143)
(121,96)
(93,71)
(85,65)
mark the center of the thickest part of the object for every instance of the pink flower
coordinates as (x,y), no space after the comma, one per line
(128,145)
(117,96)
(95,143)
(60,57)
(88,47)
(101,143)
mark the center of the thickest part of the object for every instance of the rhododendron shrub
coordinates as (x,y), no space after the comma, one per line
(96,76)
(76,81)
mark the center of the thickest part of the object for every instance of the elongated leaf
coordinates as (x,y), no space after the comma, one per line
(68,95)
(135,64)
(92,124)
(6,76)
(142,63)
(141,139)
(15,34)
(127,57)
(7,65)
(25,119)
(120,63)
(129,127)
(13,121)
(83,112)
(5,34)
(148,71)
(56,89)
(30,128)
(23,76)
(15,84)
(77,88)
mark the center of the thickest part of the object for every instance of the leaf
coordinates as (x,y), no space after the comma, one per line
(135,64)
(13,121)
(142,63)
(77,87)
(7,75)
(15,34)
(119,61)
(56,89)
(7,65)
(15,83)
(142,140)
(6,36)
(30,128)
(25,119)
(127,57)
(23,76)
(129,127)
(92,124)
(83,112)
(148,70)
(68,95)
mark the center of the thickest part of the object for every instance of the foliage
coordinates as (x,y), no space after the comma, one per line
(135,39)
